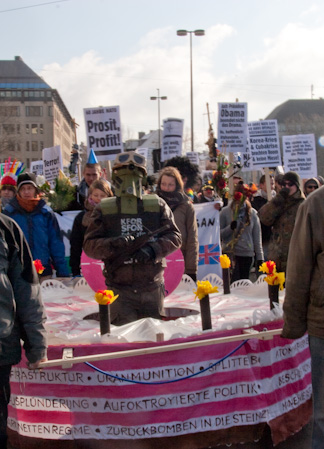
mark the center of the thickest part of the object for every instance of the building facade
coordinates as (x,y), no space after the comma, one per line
(32,115)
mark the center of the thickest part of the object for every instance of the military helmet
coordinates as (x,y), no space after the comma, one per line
(130,158)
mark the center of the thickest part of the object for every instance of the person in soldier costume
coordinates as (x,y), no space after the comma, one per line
(114,228)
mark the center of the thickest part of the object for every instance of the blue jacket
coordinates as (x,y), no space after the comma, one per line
(42,232)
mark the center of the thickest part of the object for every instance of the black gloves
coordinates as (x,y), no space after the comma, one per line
(258,265)
(284,192)
(233,225)
(193,276)
(121,242)
(145,254)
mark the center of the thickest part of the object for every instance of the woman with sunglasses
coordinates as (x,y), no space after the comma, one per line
(280,213)
(310,185)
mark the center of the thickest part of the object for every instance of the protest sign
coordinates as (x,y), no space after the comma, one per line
(232,127)
(37,167)
(300,155)
(209,240)
(193,156)
(264,143)
(103,132)
(171,138)
(52,159)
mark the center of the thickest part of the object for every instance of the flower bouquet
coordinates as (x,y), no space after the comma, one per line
(274,280)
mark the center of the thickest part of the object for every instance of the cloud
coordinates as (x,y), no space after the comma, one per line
(285,67)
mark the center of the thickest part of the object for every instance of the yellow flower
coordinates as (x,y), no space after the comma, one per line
(204,288)
(224,261)
(268,267)
(104,297)
(276,279)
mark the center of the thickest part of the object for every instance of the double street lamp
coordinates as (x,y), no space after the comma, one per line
(196,33)
(158,98)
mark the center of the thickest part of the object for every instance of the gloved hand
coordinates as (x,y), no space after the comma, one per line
(258,265)
(284,192)
(145,254)
(233,225)
(122,241)
(193,276)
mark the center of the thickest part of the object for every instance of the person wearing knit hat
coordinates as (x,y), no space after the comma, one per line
(310,185)
(39,224)
(8,189)
(8,184)
(280,213)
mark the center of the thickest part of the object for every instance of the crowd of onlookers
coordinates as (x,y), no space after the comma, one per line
(254,226)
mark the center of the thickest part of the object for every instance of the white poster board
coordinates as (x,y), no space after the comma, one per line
(171,138)
(52,159)
(300,155)
(232,127)
(37,167)
(263,139)
(103,132)
(193,156)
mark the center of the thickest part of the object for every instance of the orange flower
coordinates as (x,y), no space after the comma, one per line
(39,266)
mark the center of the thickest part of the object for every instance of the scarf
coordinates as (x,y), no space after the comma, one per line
(30,204)
(173,199)
(89,206)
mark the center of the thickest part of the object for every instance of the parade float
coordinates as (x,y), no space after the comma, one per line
(154,383)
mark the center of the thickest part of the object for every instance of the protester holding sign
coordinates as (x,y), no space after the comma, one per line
(39,225)
(170,188)
(280,213)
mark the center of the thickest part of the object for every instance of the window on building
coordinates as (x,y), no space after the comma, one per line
(50,111)
(34,145)
(18,147)
(9,111)
(8,93)
(34,111)
(27,146)
(8,128)
(34,128)
(18,128)
(41,128)
(49,94)
(27,128)
(28,162)
(41,145)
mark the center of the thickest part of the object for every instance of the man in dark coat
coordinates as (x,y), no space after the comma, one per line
(22,314)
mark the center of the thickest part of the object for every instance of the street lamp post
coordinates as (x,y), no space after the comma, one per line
(196,33)
(158,98)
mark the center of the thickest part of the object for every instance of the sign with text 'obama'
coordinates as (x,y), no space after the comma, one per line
(232,127)
(103,131)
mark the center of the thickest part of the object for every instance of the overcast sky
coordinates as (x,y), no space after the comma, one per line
(119,52)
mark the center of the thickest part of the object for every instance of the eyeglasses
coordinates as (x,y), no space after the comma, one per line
(312,187)
(287,184)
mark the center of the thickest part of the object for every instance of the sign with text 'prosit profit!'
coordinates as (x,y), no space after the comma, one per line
(232,127)
(300,155)
(264,144)
(104,132)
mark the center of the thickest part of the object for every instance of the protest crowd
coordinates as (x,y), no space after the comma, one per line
(132,226)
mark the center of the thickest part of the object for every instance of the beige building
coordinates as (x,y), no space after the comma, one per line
(32,115)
